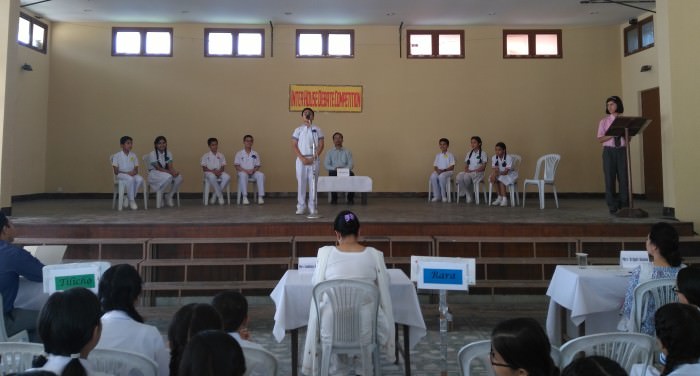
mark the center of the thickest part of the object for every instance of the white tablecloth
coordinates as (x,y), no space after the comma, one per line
(593,294)
(344,184)
(292,297)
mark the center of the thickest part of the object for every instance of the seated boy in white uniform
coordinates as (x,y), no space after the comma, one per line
(247,162)
(213,164)
(443,168)
(126,167)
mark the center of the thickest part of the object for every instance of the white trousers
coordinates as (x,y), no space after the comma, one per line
(159,181)
(468,180)
(439,183)
(305,174)
(132,184)
(217,186)
(243,182)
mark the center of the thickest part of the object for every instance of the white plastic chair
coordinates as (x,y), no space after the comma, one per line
(159,195)
(206,188)
(18,356)
(265,362)
(656,291)
(448,189)
(479,351)
(476,191)
(512,188)
(239,195)
(626,349)
(349,300)
(21,336)
(549,170)
(122,363)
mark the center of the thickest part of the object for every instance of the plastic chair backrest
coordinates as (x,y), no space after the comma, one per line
(516,161)
(122,363)
(626,349)
(479,351)
(263,361)
(658,292)
(347,298)
(551,161)
(18,356)
(21,336)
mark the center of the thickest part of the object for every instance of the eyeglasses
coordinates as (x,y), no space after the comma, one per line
(492,355)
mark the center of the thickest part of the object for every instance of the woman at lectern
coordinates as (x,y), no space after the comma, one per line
(614,157)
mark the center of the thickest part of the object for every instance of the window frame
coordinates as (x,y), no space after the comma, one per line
(234,32)
(34,21)
(640,43)
(532,44)
(324,43)
(142,31)
(435,36)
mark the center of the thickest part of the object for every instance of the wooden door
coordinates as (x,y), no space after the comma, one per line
(653,168)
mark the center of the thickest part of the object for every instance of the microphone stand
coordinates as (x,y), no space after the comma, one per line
(312,184)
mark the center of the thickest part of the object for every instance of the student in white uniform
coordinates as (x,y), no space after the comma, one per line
(213,164)
(307,143)
(474,166)
(122,325)
(443,168)
(161,173)
(126,166)
(247,162)
(69,327)
(502,174)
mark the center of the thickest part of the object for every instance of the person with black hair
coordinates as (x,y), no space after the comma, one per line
(161,173)
(502,173)
(474,166)
(16,262)
(521,347)
(688,286)
(307,144)
(443,168)
(189,320)
(247,163)
(348,259)
(595,365)
(662,246)
(213,164)
(69,326)
(614,157)
(339,157)
(122,325)
(125,164)
(678,332)
(212,353)
(233,307)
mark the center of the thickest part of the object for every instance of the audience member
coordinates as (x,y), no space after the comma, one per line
(688,286)
(662,246)
(122,325)
(593,366)
(212,353)
(443,168)
(339,157)
(520,347)
(189,320)
(247,162)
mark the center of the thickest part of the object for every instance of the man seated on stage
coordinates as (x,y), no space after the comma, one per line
(16,262)
(336,158)
(247,162)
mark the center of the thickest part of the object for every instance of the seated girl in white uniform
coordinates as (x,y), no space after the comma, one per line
(502,174)
(474,166)
(348,260)
(161,173)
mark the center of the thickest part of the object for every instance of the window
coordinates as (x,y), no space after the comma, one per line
(144,41)
(639,36)
(433,44)
(325,43)
(234,42)
(32,33)
(531,44)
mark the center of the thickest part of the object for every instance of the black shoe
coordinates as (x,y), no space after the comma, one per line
(614,211)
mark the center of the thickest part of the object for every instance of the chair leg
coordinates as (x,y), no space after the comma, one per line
(457,188)
(488,202)
(120,203)
(145,195)
(556,200)
(540,188)
(524,193)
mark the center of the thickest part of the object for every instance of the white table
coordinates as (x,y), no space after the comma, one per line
(362,184)
(292,297)
(593,295)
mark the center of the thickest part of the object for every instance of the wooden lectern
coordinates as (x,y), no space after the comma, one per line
(628,126)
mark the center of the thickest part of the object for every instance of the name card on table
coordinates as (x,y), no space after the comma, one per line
(342,171)
(443,273)
(307,264)
(62,277)
(632,259)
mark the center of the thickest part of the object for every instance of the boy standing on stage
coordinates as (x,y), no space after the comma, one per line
(307,143)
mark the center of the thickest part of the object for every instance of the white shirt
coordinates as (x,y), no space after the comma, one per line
(474,159)
(306,136)
(125,162)
(247,161)
(56,364)
(213,162)
(251,368)
(444,160)
(153,159)
(119,331)
(497,162)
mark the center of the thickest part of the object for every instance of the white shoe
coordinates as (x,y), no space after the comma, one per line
(260,200)
(313,212)
(504,202)
(300,211)
(469,198)
(221,199)
(497,201)
(171,203)
(444,199)
(435,199)
(133,206)
(245,201)
(213,198)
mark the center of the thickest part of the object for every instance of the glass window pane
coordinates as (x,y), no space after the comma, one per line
(158,43)
(250,44)
(421,44)
(449,44)
(632,40)
(220,44)
(648,34)
(23,32)
(310,44)
(339,45)
(127,42)
(517,44)
(546,44)
(38,33)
